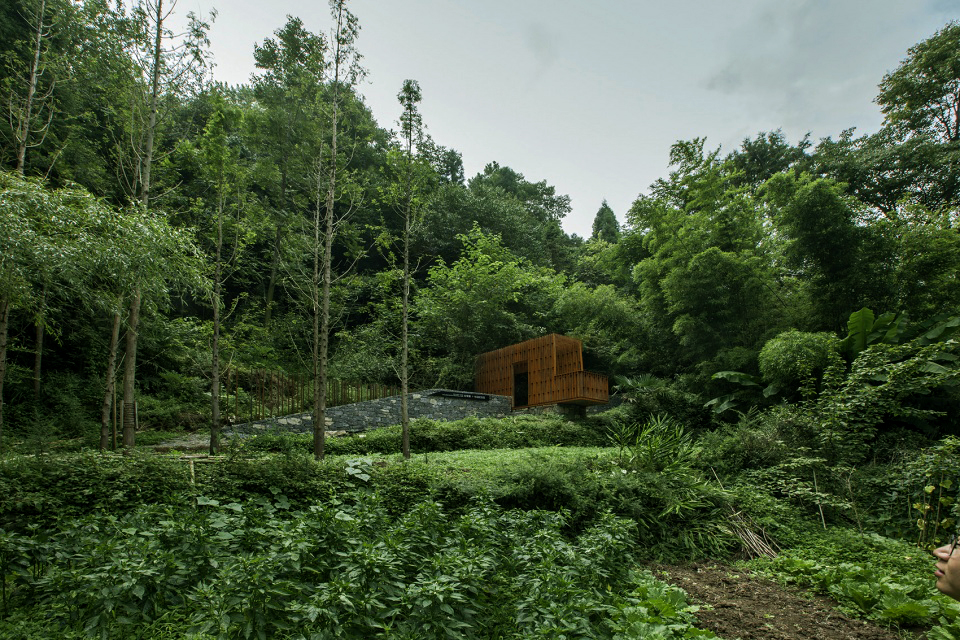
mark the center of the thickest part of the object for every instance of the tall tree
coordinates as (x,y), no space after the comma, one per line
(167,68)
(605,225)
(54,238)
(701,279)
(765,155)
(31,110)
(225,181)
(288,94)
(528,215)
(915,157)
(922,96)
(21,204)
(485,300)
(345,72)
(411,131)
(828,247)
(31,105)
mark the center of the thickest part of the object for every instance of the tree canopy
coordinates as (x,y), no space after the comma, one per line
(236,213)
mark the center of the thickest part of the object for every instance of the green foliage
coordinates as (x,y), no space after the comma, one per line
(927,482)
(428,436)
(920,97)
(296,476)
(486,300)
(766,155)
(647,395)
(605,225)
(43,489)
(864,330)
(657,611)
(606,322)
(700,282)
(883,383)
(825,245)
(663,497)
(256,569)
(795,357)
(757,440)
(661,445)
(946,630)
(658,483)
(808,481)
(402,486)
(879,578)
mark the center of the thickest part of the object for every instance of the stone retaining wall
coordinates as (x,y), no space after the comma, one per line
(432,404)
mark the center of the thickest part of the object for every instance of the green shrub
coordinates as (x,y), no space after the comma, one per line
(777,519)
(296,476)
(43,489)
(758,440)
(794,358)
(679,516)
(257,569)
(70,403)
(646,396)
(401,486)
(429,436)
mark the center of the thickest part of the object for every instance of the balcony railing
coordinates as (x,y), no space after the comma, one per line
(581,387)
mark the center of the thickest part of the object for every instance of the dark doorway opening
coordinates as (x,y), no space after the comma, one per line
(521,394)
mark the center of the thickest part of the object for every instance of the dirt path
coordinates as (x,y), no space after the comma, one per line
(198,442)
(745,607)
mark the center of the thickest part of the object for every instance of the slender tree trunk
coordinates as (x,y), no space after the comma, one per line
(320,403)
(129,373)
(405,339)
(154,96)
(133,320)
(111,379)
(4,322)
(410,122)
(405,317)
(38,353)
(320,392)
(215,347)
(323,344)
(24,133)
(215,380)
(275,260)
(272,281)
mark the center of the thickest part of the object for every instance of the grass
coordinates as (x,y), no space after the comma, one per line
(490,461)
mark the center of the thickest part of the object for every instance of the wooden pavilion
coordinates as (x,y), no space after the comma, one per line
(542,371)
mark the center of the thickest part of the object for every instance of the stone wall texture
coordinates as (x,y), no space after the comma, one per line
(432,404)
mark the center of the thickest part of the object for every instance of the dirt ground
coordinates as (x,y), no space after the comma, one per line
(745,607)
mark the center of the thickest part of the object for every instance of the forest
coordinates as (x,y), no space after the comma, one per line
(780,322)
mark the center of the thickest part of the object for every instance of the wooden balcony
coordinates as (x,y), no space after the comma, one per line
(542,371)
(582,387)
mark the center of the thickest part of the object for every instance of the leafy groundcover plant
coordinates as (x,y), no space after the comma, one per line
(871,576)
(342,570)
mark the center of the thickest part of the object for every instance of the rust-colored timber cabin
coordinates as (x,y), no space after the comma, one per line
(542,371)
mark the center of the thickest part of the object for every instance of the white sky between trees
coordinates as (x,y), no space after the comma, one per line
(589,95)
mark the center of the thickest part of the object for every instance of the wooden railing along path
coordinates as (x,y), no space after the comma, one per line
(260,394)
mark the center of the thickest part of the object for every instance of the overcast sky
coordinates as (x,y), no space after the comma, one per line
(589,95)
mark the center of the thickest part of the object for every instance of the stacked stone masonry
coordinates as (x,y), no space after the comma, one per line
(432,404)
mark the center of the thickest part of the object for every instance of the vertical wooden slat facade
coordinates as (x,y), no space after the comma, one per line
(547,370)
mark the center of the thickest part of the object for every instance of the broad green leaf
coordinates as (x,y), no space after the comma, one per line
(859,326)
